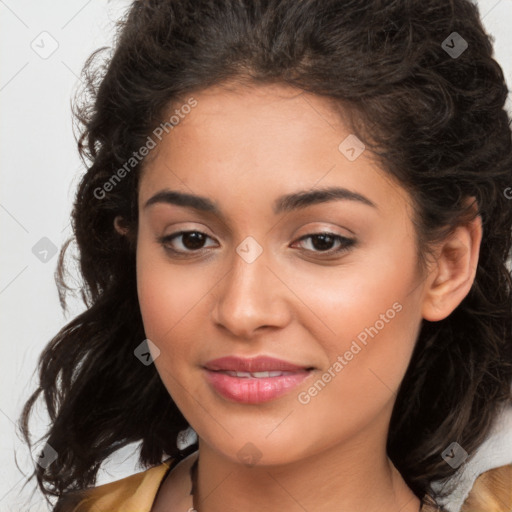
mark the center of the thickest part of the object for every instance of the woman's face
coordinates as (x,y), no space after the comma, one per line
(255,277)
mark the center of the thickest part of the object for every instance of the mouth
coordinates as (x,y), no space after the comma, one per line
(256,380)
(254,365)
(255,375)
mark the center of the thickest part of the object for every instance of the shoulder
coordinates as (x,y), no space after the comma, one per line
(492,490)
(133,493)
(486,475)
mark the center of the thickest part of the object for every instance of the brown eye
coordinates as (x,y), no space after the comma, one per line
(191,241)
(324,241)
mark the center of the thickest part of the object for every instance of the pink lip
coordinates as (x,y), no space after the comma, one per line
(253,390)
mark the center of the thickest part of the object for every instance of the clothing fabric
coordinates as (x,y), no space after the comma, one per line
(137,493)
(494,452)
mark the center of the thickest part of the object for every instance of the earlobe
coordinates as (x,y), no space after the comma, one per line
(454,273)
(120,225)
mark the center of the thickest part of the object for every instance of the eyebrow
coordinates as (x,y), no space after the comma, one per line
(285,203)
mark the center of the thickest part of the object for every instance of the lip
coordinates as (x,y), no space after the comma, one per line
(249,389)
(253,364)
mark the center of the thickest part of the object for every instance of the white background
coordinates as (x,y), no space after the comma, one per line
(40,170)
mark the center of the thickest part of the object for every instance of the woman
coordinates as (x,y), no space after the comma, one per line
(293,233)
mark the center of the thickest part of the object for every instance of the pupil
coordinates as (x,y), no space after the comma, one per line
(197,240)
(323,244)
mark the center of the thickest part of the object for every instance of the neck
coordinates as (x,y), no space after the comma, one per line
(337,479)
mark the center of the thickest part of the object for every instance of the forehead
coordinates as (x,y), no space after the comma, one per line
(263,110)
(261,141)
(252,123)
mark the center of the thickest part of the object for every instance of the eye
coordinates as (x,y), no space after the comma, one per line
(191,241)
(322,242)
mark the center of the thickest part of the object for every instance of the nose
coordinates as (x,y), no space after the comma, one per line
(251,298)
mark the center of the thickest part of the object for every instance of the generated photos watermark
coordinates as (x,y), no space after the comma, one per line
(304,397)
(143,151)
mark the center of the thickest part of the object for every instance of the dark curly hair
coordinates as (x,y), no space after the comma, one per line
(434,119)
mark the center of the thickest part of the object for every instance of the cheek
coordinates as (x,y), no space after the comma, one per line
(169,304)
(366,364)
(368,314)
(366,289)
(375,357)
(167,293)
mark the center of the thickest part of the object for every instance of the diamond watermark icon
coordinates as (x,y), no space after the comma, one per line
(454,455)
(45,45)
(249,250)
(46,456)
(249,454)
(351,147)
(44,250)
(454,45)
(146,352)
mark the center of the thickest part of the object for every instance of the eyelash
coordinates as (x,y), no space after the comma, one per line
(346,243)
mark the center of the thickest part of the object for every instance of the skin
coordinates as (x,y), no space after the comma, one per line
(242,148)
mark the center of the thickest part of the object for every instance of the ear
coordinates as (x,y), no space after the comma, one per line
(120,225)
(454,271)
